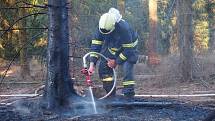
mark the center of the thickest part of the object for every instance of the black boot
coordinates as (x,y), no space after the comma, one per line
(108,86)
(128,91)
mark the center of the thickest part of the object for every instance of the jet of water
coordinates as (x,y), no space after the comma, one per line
(93,100)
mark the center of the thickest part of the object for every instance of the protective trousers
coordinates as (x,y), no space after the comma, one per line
(106,75)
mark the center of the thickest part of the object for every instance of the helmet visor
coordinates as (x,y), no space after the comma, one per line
(105,31)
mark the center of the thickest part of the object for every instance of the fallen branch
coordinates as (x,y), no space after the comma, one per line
(139,104)
(191,95)
(39,89)
(194,95)
(21,82)
(74,118)
(20,95)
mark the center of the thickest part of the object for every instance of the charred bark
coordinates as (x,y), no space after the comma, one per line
(59,86)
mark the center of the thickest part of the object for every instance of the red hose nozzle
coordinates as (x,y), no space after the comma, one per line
(86,73)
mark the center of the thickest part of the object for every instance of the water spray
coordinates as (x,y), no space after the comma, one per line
(89,84)
(88,80)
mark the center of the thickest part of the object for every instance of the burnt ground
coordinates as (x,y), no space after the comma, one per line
(117,109)
(160,81)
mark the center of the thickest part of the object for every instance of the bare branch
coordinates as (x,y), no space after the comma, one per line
(11,26)
(26,3)
(17,54)
(25,28)
(38,6)
(18,7)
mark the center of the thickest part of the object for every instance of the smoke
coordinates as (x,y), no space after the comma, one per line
(19,107)
(83,106)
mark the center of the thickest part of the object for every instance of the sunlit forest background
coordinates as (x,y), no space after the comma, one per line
(24,31)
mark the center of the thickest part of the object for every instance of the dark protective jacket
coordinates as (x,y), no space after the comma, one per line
(121,44)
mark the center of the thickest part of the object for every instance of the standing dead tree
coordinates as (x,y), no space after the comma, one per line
(59,86)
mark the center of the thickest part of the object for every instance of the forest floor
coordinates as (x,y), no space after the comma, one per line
(118,109)
(161,80)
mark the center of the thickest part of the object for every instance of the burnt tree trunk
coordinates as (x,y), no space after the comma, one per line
(185,37)
(59,86)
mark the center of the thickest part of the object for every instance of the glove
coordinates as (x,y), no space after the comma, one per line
(111,63)
(91,69)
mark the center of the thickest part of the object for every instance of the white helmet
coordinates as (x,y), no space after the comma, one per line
(116,13)
(107,23)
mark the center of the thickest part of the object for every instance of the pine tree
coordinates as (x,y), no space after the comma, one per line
(185,37)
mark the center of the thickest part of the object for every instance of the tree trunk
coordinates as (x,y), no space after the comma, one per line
(185,37)
(121,6)
(211,17)
(114,3)
(59,86)
(153,24)
(74,19)
(212,38)
(22,36)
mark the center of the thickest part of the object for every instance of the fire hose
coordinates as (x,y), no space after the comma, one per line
(89,81)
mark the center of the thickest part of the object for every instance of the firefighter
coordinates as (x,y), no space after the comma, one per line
(116,40)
